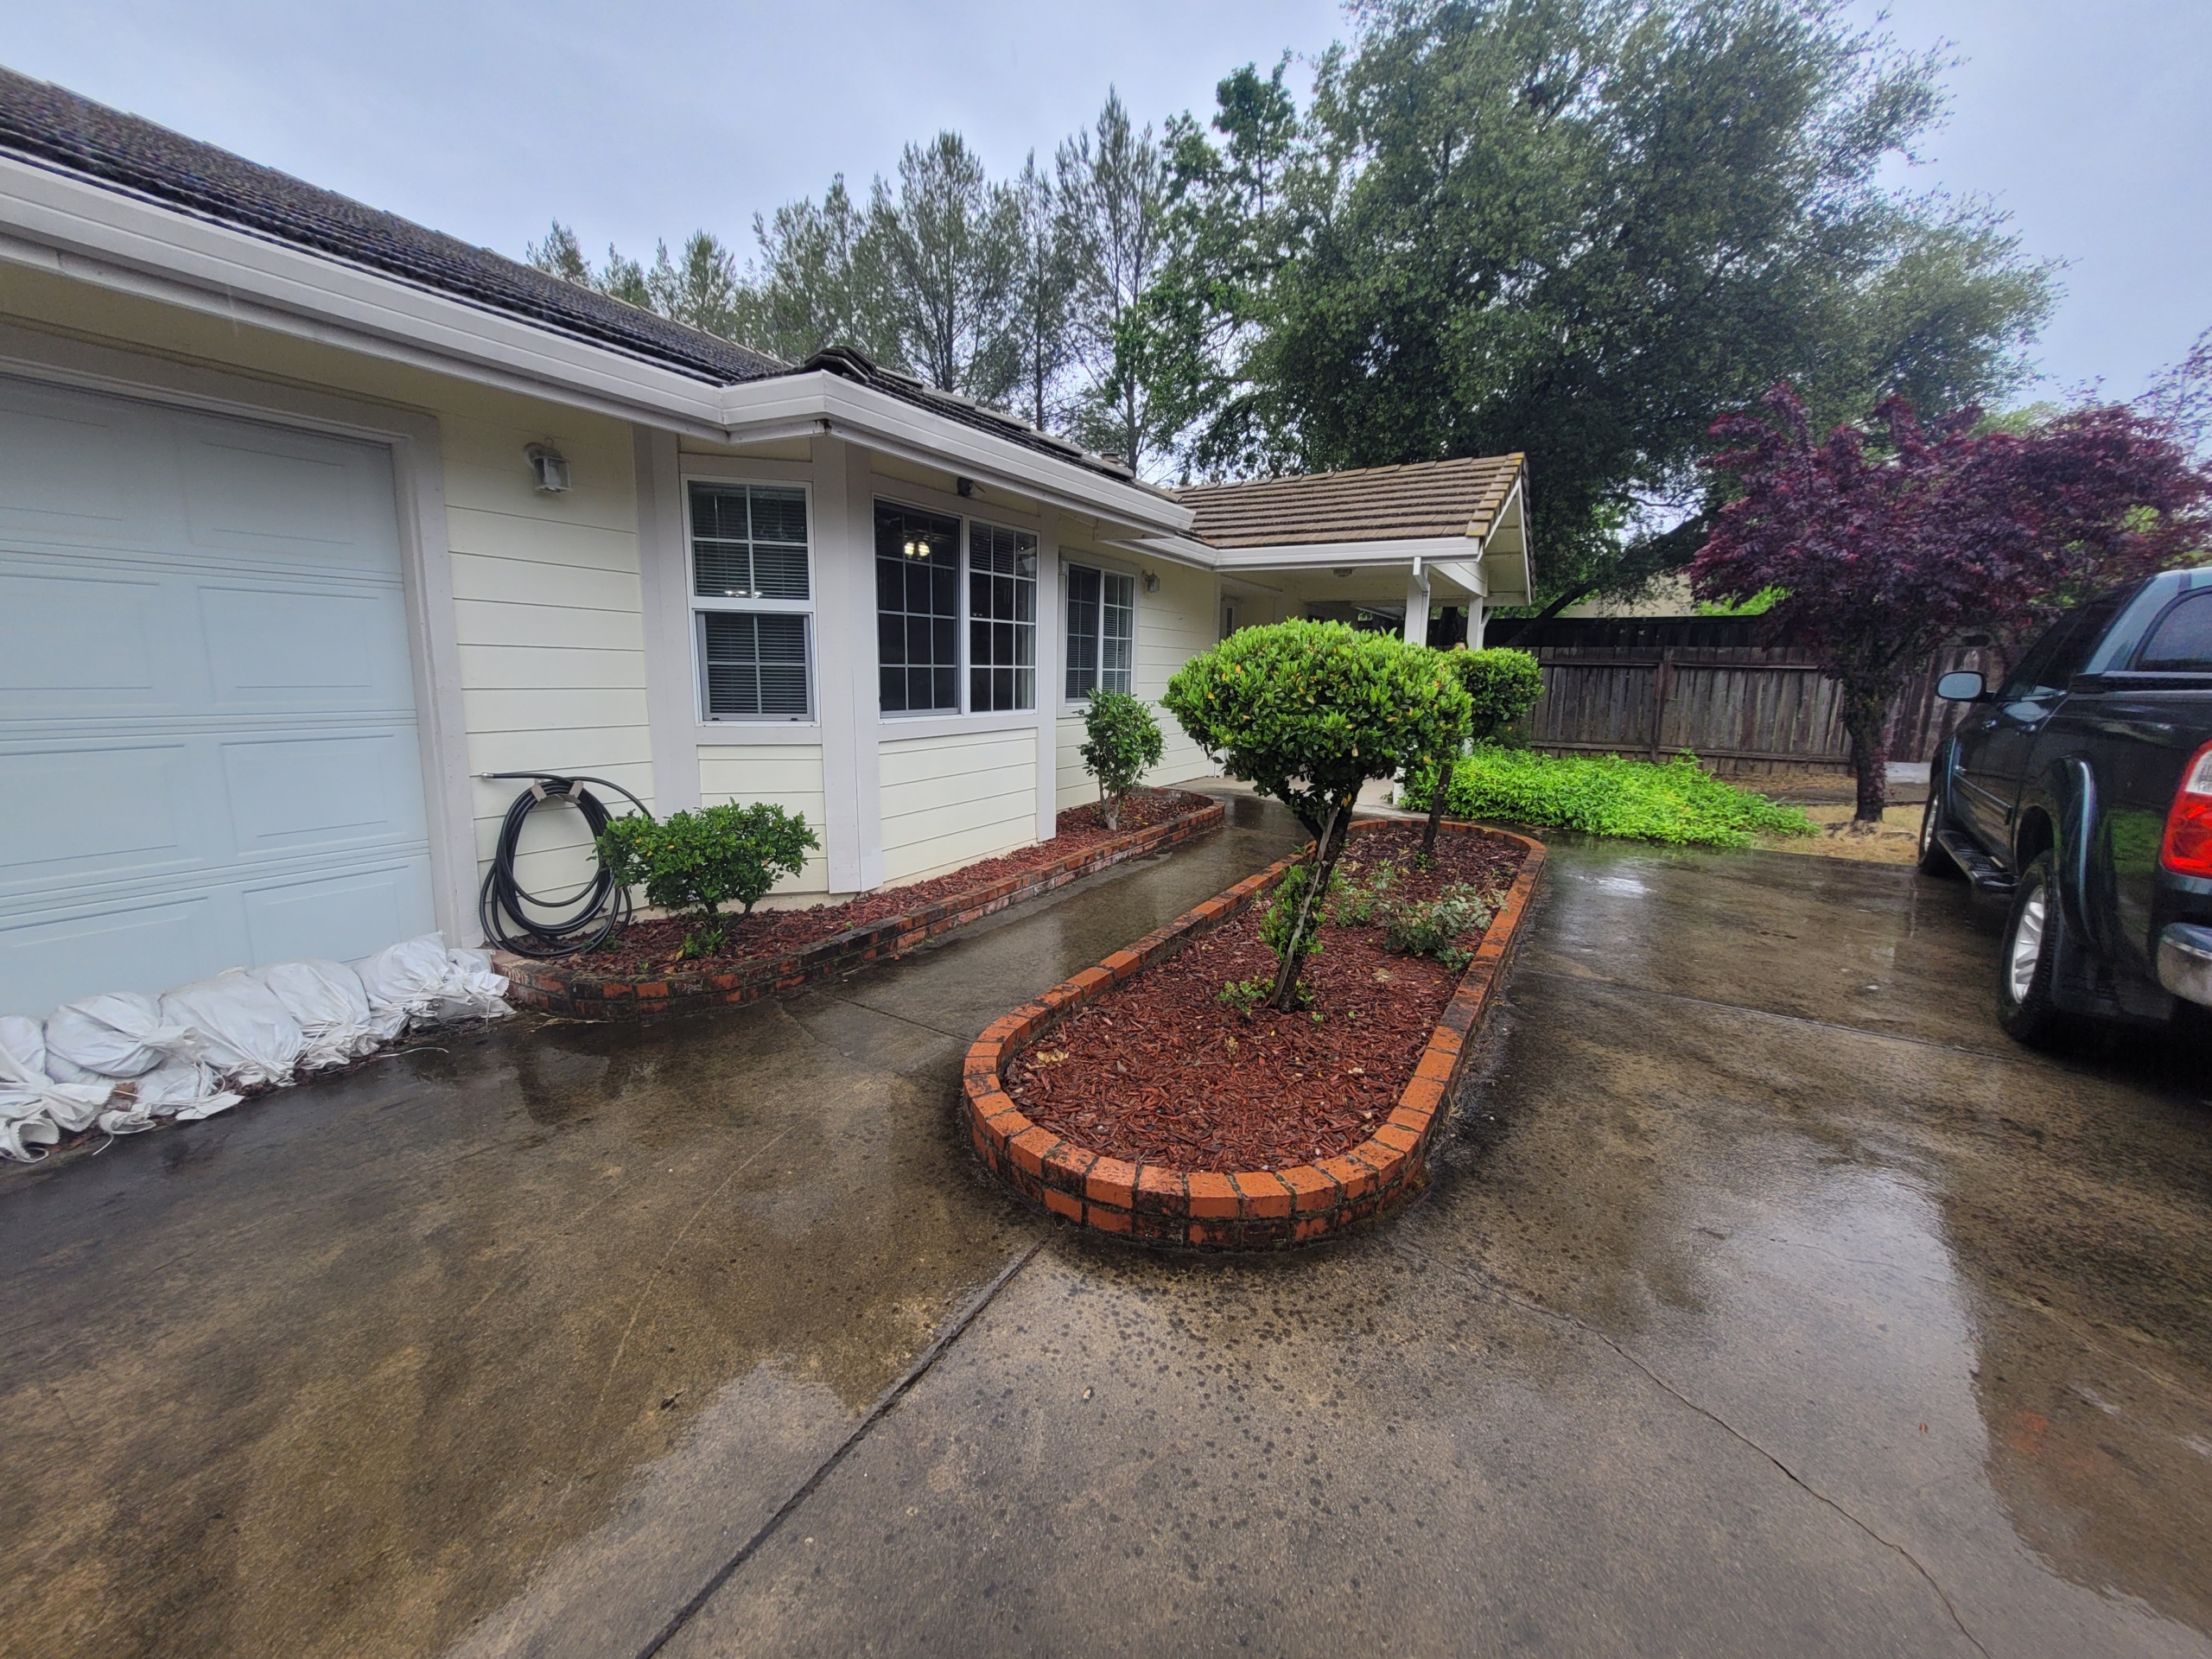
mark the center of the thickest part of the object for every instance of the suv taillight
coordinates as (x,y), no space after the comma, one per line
(2188,850)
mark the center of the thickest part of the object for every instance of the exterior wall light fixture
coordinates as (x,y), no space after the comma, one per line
(1151,582)
(549,467)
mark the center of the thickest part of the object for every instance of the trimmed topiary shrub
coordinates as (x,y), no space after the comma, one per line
(1121,741)
(696,862)
(1308,712)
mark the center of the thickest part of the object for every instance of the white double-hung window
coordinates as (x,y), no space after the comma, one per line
(1102,631)
(752,601)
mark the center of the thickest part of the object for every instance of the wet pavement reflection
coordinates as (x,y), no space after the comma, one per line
(1767,1298)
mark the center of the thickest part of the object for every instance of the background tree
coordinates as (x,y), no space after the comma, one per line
(1884,550)
(945,247)
(1114,183)
(1308,712)
(1041,310)
(1575,228)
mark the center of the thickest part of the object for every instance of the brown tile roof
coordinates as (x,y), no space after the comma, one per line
(1426,499)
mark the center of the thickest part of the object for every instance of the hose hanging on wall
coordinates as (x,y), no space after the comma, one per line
(556,924)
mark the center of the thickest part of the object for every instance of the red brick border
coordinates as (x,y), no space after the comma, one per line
(569,987)
(1235,1210)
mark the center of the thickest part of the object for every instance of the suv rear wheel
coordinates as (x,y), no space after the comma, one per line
(2029,960)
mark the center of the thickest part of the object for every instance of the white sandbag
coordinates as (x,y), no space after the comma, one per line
(433,984)
(245,1034)
(116,1034)
(328,1000)
(26,1091)
(185,1089)
(19,1134)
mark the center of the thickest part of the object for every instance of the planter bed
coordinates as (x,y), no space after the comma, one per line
(1134,1117)
(634,975)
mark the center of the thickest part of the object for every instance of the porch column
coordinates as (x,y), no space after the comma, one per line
(1417,606)
(1478,613)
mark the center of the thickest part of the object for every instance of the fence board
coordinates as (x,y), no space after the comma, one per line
(1717,687)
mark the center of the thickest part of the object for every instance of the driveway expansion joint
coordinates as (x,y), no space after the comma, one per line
(875,1413)
(1476,1276)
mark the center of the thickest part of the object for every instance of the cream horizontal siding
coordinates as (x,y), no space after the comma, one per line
(548,615)
(1072,785)
(1173,626)
(949,801)
(788,775)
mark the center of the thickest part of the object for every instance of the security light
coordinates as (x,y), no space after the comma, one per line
(549,466)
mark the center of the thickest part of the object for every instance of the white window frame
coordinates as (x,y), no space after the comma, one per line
(967,718)
(696,604)
(1083,559)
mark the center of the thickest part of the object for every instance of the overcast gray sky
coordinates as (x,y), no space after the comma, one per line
(2089,124)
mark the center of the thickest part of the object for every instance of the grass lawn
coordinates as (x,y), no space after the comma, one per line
(1677,802)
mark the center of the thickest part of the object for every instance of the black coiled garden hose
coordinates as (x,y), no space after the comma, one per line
(558,924)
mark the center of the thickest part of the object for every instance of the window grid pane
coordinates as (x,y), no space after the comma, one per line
(1118,633)
(918,610)
(748,541)
(1001,619)
(756,665)
(1083,632)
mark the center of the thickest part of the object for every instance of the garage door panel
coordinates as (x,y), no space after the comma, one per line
(291,794)
(345,917)
(60,468)
(96,808)
(77,639)
(305,649)
(286,496)
(146,944)
(207,739)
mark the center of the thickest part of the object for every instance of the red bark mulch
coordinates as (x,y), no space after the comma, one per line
(1160,1071)
(648,947)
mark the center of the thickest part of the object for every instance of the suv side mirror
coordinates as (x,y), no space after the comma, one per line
(1963,686)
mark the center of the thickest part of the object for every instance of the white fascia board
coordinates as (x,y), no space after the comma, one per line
(1329,554)
(1508,570)
(105,236)
(1176,550)
(95,233)
(877,420)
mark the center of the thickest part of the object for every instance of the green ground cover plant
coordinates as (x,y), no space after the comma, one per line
(1677,801)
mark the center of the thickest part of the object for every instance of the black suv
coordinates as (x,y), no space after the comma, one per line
(2082,787)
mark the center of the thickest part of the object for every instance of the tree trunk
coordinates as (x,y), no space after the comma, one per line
(1444,771)
(1326,851)
(1865,718)
(1514,624)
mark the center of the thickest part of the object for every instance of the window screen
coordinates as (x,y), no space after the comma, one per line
(756,665)
(748,541)
(917,610)
(1001,619)
(2183,640)
(1102,631)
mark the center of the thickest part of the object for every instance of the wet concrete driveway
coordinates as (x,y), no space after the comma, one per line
(1768,1300)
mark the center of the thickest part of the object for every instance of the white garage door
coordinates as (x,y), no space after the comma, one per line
(207,746)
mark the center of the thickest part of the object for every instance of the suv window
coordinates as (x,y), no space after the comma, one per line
(2183,639)
(2058,656)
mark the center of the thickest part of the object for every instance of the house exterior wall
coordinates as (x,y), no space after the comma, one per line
(571,616)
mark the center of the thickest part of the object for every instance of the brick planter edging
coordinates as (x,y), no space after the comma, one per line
(1235,1210)
(569,987)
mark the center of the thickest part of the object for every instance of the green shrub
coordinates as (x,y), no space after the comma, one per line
(1120,741)
(1279,928)
(1308,712)
(1677,802)
(1434,927)
(1355,897)
(696,862)
(1502,687)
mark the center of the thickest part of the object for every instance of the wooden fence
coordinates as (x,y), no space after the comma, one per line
(1717,686)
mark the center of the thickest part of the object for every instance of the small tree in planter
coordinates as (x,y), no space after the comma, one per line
(696,863)
(1308,712)
(1502,685)
(1121,741)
